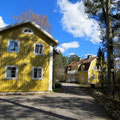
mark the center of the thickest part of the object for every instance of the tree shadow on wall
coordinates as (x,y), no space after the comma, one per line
(25,60)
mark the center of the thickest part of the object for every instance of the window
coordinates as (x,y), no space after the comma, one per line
(68,68)
(11,72)
(38,49)
(82,67)
(13,46)
(82,77)
(27,31)
(99,77)
(93,76)
(37,73)
(94,68)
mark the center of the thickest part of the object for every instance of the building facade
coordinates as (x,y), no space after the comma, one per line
(83,71)
(26,58)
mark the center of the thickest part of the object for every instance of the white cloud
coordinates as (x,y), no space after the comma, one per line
(60,49)
(2,23)
(77,22)
(65,46)
(72,54)
(73,44)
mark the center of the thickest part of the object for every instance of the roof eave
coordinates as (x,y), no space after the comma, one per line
(34,24)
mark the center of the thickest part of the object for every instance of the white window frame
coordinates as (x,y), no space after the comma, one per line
(13,78)
(82,67)
(42,50)
(27,32)
(41,73)
(9,44)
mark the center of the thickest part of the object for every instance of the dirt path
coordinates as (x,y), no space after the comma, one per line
(72,103)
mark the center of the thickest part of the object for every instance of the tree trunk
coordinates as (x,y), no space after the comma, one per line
(110,56)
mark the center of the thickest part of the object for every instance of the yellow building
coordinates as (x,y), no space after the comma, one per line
(83,71)
(72,71)
(26,58)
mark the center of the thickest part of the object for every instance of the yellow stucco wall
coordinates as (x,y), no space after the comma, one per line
(90,76)
(83,77)
(24,81)
(92,72)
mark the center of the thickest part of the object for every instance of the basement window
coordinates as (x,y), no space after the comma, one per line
(38,49)
(11,72)
(37,73)
(13,46)
(27,31)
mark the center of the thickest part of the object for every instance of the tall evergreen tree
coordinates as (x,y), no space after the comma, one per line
(101,66)
(107,13)
(101,11)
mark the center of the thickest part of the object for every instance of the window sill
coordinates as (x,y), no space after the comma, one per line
(36,78)
(38,54)
(10,78)
(13,51)
(27,33)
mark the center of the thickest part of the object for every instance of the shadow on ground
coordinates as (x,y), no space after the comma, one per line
(74,88)
(73,103)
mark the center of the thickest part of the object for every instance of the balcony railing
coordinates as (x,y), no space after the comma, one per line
(72,72)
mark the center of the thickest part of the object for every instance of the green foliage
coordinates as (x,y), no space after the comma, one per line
(117,48)
(59,68)
(60,65)
(97,9)
(73,58)
(101,66)
(107,13)
(100,59)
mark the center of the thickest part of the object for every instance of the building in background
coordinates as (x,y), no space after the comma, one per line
(83,71)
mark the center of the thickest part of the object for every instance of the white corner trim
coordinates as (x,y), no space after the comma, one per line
(89,70)
(50,67)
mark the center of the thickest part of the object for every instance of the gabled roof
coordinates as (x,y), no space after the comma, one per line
(72,63)
(32,23)
(89,60)
(85,62)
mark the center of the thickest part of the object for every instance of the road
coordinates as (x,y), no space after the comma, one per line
(71,103)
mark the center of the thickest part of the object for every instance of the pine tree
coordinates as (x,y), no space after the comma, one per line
(101,66)
(101,11)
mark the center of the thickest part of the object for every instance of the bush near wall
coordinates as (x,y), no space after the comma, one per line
(111,106)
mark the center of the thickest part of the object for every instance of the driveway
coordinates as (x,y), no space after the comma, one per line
(72,103)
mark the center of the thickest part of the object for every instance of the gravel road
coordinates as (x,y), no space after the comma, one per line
(71,103)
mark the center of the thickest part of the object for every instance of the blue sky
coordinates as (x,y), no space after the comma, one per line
(70,25)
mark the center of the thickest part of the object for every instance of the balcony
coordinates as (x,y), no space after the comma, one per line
(72,72)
